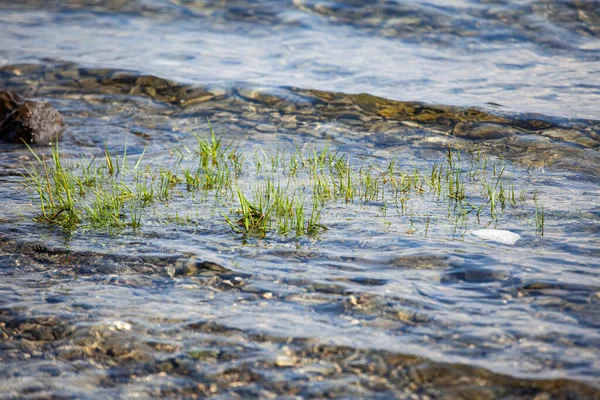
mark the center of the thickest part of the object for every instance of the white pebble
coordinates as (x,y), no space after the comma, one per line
(120,326)
(497,235)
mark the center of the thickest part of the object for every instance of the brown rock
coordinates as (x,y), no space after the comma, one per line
(28,121)
(482,130)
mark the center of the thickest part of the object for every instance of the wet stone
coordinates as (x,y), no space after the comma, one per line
(351,122)
(194,266)
(196,100)
(204,355)
(28,121)
(482,131)
(286,360)
(585,139)
(265,128)
(577,299)
(288,118)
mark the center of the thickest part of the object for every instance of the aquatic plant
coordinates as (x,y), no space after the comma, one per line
(539,218)
(55,190)
(287,193)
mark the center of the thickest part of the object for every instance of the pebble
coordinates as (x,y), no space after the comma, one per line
(265,128)
(284,360)
(497,235)
(120,326)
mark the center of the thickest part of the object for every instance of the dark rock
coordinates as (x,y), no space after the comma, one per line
(28,121)
(193,266)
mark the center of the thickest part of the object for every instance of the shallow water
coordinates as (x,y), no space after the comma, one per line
(374,305)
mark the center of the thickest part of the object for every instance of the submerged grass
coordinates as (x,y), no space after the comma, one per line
(285,193)
(55,189)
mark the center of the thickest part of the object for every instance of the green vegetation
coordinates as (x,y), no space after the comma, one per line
(539,219)
(284,192)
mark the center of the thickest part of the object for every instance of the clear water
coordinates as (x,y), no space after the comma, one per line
(366,308)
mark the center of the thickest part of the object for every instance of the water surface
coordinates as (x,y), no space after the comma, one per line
(366,308)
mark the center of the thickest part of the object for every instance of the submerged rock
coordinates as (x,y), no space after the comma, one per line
(497,235)
(482,131)
(28,121)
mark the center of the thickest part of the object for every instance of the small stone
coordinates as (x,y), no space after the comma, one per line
(28,121)
(265,128)
(120,326)
(284,360)
(497,235)
(171,271)
(411,124)
(196,100)
(487,131)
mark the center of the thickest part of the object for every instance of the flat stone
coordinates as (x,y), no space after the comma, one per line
(286,360)
(497,235)
(266,128)
(487,131)
(120,326)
